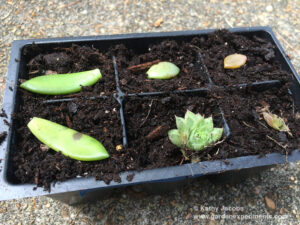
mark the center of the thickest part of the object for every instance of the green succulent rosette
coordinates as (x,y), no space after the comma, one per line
(194,132)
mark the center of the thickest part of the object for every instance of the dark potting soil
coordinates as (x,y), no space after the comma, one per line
(98,118)
(248,130)
(34,163)
(250,134)
(69,60)
(183,55)
(149,119)
(261,63)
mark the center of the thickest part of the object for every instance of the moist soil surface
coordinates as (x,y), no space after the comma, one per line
(34,163)
(183,55)
(70,60)
(250,135)
(149,119)
(261,63)
(248,129)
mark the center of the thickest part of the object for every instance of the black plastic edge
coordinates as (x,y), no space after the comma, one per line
(149,176)
(257,86)
(120,98)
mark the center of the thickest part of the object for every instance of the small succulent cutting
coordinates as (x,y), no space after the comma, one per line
(67,141)
(162,71)
(273,120)
(194,132)
(60,84)
(234,61)
(276,122)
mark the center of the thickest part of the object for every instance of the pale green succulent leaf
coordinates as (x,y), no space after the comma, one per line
(196,146)
(208,124)
(191,115)
(199,117)
(192,120)
(198,135)
(175,137)
(180,123)
(163,70)
(216,134)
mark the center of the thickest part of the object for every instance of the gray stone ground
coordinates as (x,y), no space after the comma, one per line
(54,18)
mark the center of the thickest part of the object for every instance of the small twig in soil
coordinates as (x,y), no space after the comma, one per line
(184,154)
(194,46)
(184,70)
(217,152)
(217,96)
(246,124)
(181,161)
(276,142)
(282,146)
(217,143)
(34,72)
(143,65)
(147,114)
(68,121)
(157,132)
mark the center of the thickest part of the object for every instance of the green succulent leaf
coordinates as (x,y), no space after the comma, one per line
(175,137)
(192,116)
(192,120)
(196,146)
(205,126)
(216,134)
(61,84)
(162,71)
(195,132)
(180,123)
(67,141)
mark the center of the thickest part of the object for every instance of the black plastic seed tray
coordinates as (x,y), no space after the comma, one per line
(154,180)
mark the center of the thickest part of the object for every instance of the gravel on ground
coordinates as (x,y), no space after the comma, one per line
(271,197)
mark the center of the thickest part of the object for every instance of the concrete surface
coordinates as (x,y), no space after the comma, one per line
(273,196)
